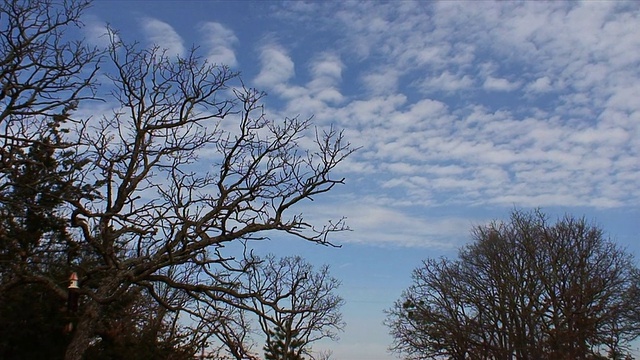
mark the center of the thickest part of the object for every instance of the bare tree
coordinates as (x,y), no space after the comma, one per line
(185,165)
(296,302)
(324,355)
(136,327)
(526,289)
(294,306)
(232,327)
(158,210)
(41,71)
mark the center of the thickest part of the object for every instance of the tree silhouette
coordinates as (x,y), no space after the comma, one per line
(283,344)
(525,289)
(163,192)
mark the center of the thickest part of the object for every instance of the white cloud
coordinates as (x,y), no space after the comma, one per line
(327,66)
(540,85)
(276,67)
(96,31)
(326,72)
(446,82)
(382,81)
(163,35)
(499,84)
(479,133)
(375,222)
(219,40)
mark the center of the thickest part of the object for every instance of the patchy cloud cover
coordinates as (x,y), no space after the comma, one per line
(524,104)
(460,113)
(570,132)
(493,105)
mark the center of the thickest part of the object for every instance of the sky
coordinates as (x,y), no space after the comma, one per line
(462,112)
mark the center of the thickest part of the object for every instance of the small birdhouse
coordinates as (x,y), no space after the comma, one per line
(73,281)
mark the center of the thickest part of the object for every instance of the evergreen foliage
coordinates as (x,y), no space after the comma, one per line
(282,344)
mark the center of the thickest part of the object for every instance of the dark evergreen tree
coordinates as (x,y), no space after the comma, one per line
(283,344)
(35,243)
(32,324)
(42,78)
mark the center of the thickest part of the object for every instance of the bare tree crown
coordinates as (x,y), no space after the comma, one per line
(148,193)
(524,288)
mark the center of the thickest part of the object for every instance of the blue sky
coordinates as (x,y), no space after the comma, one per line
(462,111)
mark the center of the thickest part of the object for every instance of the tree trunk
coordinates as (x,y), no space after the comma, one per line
(83,332)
